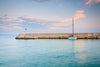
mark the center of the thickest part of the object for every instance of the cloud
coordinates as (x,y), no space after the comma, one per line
(17,27)
(59,19)
(91,2)
(80,11)
(59,24)
(64,24)
(18,23)
(34,20)
(7,28)
(79,14)
(14,24)
(64,20)
(10,26)
(11,18)
(10,23)
(6,20)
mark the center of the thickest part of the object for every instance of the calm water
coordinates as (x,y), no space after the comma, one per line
(49,52)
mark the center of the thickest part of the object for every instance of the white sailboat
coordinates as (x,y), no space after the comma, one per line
(72,37)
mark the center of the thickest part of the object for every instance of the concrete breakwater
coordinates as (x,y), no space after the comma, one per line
(58,36)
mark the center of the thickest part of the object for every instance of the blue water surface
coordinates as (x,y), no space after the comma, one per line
(49,52)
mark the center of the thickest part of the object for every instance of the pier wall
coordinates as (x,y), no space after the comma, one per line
(58,36)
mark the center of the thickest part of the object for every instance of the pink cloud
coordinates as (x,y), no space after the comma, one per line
(79,14)
(6,20)
(5,28)
(63,24)
(11,18)
(17,27)
(91,2)
(64,20)
(80,11)
(34,19)
(59,24)
(59,19)
(15,24)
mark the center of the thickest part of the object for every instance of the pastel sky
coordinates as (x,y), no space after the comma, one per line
(49,16)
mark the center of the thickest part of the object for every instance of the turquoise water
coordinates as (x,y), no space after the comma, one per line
(49,52)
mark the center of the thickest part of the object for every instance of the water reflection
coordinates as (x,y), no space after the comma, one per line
(79,51)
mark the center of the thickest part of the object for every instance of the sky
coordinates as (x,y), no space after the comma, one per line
(49,16)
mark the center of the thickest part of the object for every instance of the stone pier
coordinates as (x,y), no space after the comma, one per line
(58,36)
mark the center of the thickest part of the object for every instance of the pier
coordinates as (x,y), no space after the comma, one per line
(58,36)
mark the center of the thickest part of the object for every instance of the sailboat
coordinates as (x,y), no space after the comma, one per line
(72,37)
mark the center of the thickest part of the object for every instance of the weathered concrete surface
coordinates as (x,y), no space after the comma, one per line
(58,36)
(98,37)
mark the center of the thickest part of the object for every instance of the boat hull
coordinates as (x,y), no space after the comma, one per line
(72,38)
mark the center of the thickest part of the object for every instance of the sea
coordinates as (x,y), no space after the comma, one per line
(48,52)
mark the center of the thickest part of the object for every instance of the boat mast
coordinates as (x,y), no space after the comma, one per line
(73,26)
